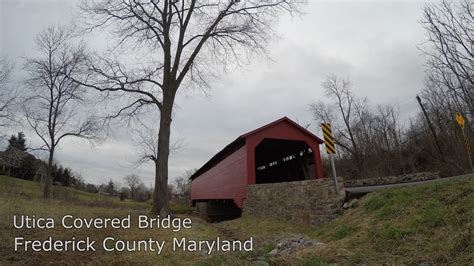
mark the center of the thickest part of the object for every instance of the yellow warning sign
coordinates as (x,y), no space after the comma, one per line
(328,138)
(460,119)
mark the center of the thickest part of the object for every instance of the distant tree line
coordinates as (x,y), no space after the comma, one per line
(133,189)
(29,165)
(176,45)
(183,47)
(373,141)
(180,189)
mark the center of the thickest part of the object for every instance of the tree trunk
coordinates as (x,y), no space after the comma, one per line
(47,183)
(160,195)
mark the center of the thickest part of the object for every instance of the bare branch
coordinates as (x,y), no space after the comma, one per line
(448,48)
(7,95)
(52,99)
(184,44)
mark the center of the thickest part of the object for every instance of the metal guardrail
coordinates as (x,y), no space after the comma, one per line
(368,189)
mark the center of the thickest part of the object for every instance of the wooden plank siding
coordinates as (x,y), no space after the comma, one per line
(226,180)
(226,176)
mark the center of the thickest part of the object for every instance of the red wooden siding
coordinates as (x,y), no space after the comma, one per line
(226,180)
(226,176)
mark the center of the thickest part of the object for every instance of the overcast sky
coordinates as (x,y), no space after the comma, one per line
(373,43)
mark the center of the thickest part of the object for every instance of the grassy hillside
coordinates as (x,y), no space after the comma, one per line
(433,223)
(407,225)
(24,189)
(19,197)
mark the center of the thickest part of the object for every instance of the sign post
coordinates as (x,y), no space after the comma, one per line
(330,149)
(460,121)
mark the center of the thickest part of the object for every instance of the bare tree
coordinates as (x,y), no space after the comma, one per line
(449,83)
(132,181)
(369,139)
(182,184)
(145,138)
(449,48)
(6,92)
(52,105)
(183,41)
(339,90)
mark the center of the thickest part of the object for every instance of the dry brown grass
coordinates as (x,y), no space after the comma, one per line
(19,197)
(399,226)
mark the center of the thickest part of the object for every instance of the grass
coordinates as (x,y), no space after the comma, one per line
(18,188)
(313,261)
(24,197)
(408,225)
(343,231)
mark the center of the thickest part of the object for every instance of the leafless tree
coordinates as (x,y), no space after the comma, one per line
(145,138)
(185,43)
(143,193)
(369,139)
(449,83)
(53,101)
(7,96)
(132,181)
(339,90)
(449,48)
(182,184)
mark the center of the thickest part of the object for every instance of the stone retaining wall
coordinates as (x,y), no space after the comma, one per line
(386,180)
(303,202)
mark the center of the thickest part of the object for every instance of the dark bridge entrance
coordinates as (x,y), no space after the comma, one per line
(279,160)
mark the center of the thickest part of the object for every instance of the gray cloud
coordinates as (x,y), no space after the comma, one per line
(372,43)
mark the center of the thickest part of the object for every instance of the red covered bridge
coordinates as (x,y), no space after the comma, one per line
(281,151)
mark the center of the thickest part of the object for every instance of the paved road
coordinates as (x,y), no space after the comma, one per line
(368,189)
